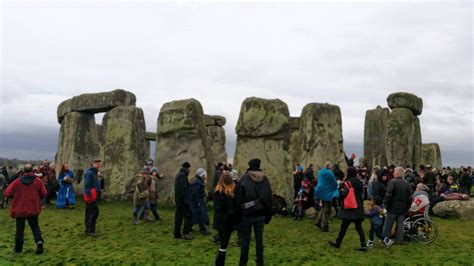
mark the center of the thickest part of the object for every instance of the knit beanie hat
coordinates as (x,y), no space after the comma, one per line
(254,164)
(201,172)
(186,165)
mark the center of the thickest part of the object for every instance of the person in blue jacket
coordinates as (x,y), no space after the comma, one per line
(66,189)
(326,190)
(91,190)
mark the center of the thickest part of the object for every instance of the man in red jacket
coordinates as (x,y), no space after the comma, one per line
(26,193)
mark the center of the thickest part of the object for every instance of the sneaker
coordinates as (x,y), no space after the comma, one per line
(388,242)
(334,244)
(370,243)
(187,237)
(39,247)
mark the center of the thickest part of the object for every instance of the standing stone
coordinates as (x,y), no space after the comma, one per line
(295,141)
(263,131)
(96,102)
(149,137)
(400,137)
(431,154)
(216,134)
(181,136)
(417,144)
(321,135)
(124,149)
(375,132)
(405,100)
(363,162)
(78,144)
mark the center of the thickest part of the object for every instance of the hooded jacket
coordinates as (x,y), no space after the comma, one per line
(398,197)
(327,187)
(182,188)
(254,185)
(26,193)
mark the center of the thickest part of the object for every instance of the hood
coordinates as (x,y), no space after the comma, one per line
(27,178)
(257,176)
(419,193)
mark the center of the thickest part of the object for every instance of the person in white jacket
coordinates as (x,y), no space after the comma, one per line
(420,199)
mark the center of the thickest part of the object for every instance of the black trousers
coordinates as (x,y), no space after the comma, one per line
(358,226)
(92,213)
(224,238)
(257,223)
(183,212)
(20,230)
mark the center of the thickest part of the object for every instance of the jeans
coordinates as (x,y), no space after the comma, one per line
(323,215)
(258,223)
(65,192)
(137,209)
(20,230)
(183,212)
(358,226)
(375,229)
(92,213)
(153,208)
(389,220)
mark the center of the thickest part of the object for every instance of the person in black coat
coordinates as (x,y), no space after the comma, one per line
(182,197)
(309,173)
(255,194)
(349,216)
(397,202)
(226,215)
(379,187)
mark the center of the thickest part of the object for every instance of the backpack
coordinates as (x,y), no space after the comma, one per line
(350,201)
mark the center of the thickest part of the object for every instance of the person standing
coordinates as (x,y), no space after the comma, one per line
(255,194)
(298,176)
(309,173)
(429,179)
(397,202)
(198,200)
(326,190)
(91,191)
(49,179)
(26,193)
(349,214)
(153,197)
(182,198)
(140,196)
(226,216)
(66,190)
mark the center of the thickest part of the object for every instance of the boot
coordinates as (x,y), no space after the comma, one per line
(220,258)
(39,247)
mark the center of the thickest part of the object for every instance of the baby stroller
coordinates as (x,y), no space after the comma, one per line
(420,227)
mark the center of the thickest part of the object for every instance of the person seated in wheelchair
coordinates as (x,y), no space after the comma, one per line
(420,200)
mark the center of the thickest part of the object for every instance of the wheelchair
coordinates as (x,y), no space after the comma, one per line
(420,227)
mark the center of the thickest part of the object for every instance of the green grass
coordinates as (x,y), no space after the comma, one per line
(287,242)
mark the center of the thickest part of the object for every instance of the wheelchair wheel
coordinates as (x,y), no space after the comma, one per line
(424,230)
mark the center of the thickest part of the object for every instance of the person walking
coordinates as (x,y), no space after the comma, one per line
(140,196)
(91,192)
(397,202)
(26,193)
(326,190)
(66,190)
(153,197)
(351,214)
(226,214)
(182,198)
(255,194)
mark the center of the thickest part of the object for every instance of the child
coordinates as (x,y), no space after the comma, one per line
(376,215)
(140,197)
(302,199)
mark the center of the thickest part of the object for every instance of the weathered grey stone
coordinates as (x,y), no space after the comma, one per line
(431,154)
(263,132)
(375,133)
(217,141)
(295,140)
(124,151)
(150,136)
(78,144)
(405,100)
(214,120)
(400,137)
(181,136)
(463,210)
(321,135)
(96,102)
(260,118)
(363,162)
(417,143)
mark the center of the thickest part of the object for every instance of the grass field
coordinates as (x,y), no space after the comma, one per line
(287,242)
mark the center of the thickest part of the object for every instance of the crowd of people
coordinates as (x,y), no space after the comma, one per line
(245,203)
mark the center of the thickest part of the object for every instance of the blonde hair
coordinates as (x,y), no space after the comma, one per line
(226,185)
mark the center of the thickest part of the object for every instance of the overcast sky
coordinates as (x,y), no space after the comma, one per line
(349,54)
